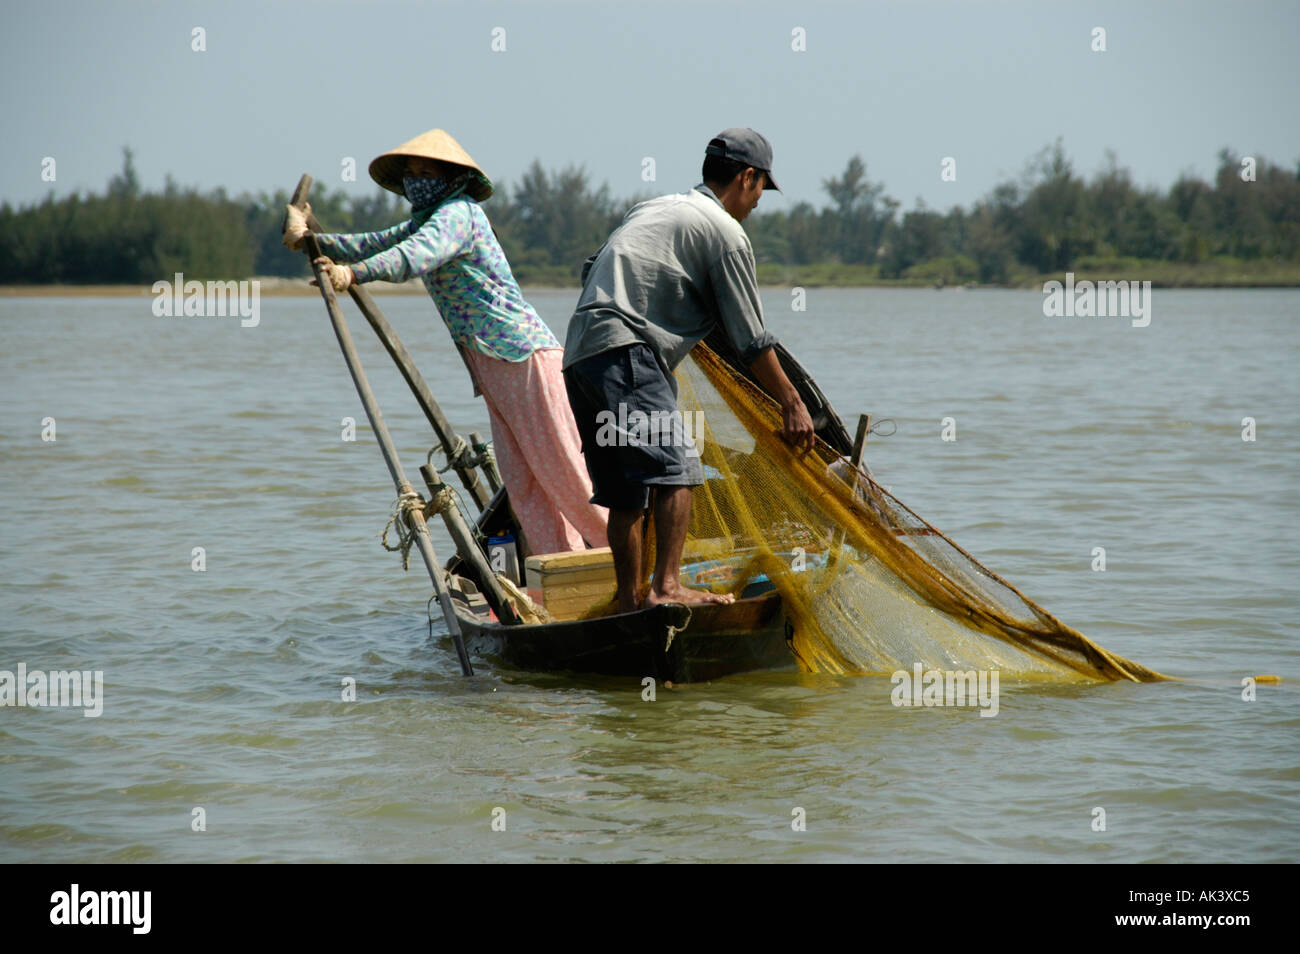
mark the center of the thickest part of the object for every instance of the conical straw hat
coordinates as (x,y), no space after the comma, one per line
(435,144)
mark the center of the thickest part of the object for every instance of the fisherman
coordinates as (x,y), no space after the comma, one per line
(674,268)
(513,358)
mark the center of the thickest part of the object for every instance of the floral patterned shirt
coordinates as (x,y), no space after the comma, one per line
(461,263)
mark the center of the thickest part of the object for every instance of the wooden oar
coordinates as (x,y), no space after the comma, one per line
(406,494)
(471,552)
(461,535)
(453,445)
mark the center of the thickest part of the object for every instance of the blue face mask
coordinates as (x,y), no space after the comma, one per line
(425,191)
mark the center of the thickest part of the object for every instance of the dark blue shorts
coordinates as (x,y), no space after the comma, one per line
(633,435)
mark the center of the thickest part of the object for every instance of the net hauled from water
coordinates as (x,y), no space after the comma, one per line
(869,587)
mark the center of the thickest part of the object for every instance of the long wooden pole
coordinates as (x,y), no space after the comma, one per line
(414,514)
(452,444)
(470,551)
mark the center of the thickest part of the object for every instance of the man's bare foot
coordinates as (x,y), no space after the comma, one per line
(683,594)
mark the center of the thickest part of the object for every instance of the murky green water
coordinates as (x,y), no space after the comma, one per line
(222,687)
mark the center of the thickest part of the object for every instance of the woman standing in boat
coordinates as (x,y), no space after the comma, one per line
(512,355)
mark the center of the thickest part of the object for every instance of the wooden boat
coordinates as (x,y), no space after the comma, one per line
(670,642)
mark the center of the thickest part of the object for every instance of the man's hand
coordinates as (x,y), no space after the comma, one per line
(797,425)
(798,430)
(340,276)
(295,226)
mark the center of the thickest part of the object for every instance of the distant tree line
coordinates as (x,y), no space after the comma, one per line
(1044,222)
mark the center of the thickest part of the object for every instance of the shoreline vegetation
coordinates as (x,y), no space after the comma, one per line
(1241,230)
(1227,273)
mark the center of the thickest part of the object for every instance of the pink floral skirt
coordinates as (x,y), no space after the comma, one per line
(539,452)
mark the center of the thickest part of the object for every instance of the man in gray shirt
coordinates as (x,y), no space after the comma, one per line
(677,266)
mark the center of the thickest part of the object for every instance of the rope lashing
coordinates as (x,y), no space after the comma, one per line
(463,456)
(456,457)
(444,499)
(674,630)
(400,521)
(484,456)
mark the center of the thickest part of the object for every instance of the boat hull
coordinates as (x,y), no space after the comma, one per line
(670,642)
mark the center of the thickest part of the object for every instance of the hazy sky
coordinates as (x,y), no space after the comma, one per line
(286,87)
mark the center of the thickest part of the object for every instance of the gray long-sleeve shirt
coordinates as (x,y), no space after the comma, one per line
(676,266)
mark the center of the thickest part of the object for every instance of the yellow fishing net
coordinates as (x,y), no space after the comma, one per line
(868,585)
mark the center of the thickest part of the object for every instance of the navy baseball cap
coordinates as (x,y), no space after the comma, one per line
(744,145)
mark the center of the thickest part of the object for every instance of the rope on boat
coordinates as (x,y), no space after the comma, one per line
(456,457)
(449,497)
(484,456)
(674,630)
(400,521)
(463,456)
(445,499)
